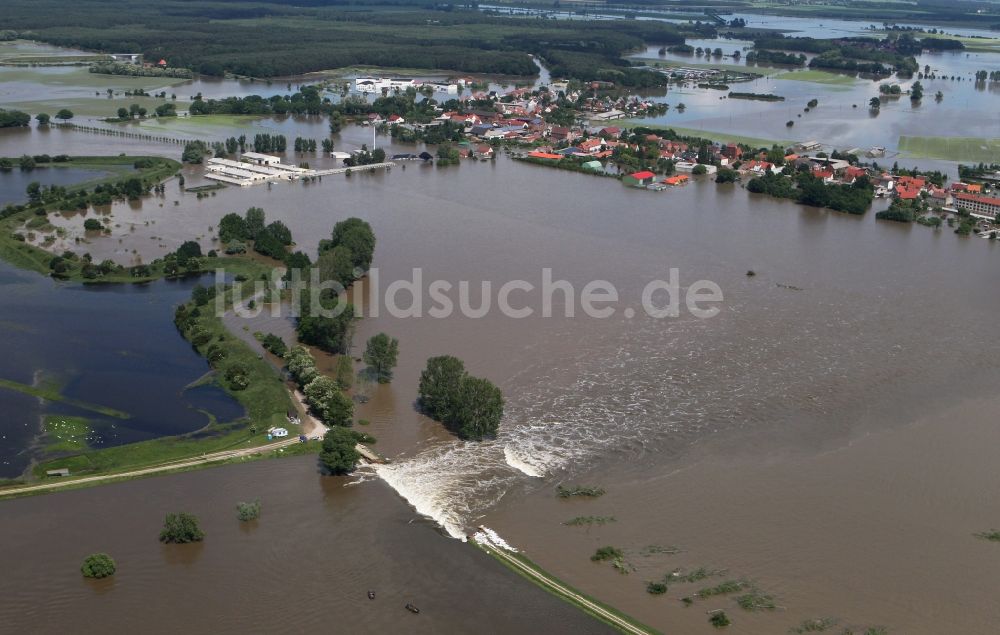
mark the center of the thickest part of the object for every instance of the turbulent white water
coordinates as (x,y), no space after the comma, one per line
(655,387)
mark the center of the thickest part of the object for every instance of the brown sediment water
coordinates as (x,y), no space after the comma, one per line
(821,435)
(319,546)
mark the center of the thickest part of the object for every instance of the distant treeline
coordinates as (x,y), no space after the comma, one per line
(756,96)
(278,37)
(775,57)
(135,70)
(865,55)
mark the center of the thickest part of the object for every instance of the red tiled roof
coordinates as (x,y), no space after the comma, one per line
(544,155)
(981,199)
(645,174)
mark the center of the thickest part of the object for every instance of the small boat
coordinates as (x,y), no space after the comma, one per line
(412,609)
(371,595)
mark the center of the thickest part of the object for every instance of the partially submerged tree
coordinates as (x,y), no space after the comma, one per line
(248,511)
(339,455)
(181,528)
(380,355)
(98,565)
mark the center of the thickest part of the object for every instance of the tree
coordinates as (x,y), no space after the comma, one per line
(233,227)
(339,454)
(92,225)
(181,528)
(439,383)
(248,511)
(26,163)
(699,169)
(336,122)
(42,118)
(301,365)
(123,113)
(380,354)
(356,235)
(65,114)
(725,175)
(336,264)
(280,232)
(875,103)
(328,402)
(344,372)
(331,334)
(916,92)
(255,222)
(480,408)
(98,565)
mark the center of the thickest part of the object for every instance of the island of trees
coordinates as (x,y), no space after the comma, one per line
(471,407)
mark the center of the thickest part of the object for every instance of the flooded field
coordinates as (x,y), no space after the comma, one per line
(827,435)
(122,352)
(317,549)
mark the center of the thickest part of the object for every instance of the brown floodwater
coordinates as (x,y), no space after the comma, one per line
(319,546)
(816,436)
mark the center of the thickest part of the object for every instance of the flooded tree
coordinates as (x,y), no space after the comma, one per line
(181,528)
(98,565)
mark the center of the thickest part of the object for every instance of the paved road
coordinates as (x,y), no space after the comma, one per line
(163,467)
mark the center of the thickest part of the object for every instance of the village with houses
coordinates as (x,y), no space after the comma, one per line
(584,127)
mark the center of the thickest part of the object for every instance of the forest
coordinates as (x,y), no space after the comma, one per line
(275,38)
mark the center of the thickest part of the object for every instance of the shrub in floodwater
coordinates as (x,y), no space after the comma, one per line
(692,576)
(723,588)
(992,535)
(607,553)
(656,588)
(719,620)
(98,565)
(756,601)
(589,520)
(687,601)
(622,566)
(817,625)
(181,528)
(579,490)
(248,511)
(655,549)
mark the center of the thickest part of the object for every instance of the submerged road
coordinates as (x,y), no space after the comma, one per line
(551,584)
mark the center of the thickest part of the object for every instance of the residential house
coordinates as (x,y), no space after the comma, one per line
(561,133)
(731,151)
(639,179)
(591,146)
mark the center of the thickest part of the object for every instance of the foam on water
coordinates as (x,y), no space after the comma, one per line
(520,464)
(653,388)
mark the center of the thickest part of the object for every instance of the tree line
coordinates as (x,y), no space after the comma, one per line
(213,39)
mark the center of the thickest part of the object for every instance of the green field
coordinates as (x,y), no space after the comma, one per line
(66,434)
(736,68)
(961,149)
(819,77)
(722,137)
(51,393)
(201,126)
